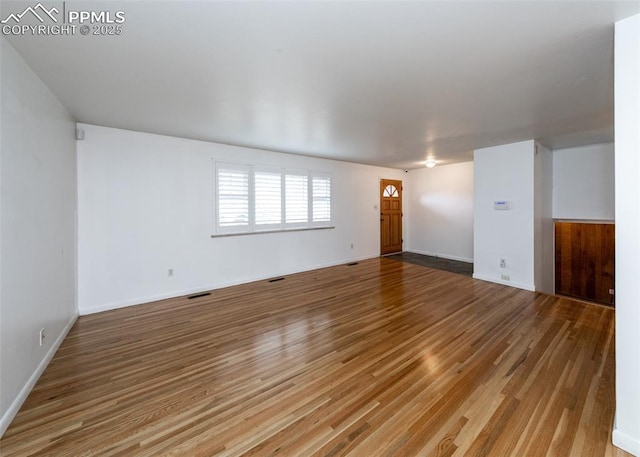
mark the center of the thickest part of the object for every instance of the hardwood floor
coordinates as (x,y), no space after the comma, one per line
(377,359)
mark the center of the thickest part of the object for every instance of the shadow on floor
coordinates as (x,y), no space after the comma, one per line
(452,266)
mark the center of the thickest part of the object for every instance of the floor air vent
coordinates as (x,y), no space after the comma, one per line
(204,294)
(276,279)
(352,264)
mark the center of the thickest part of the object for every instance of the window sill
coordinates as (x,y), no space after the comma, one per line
(261,232)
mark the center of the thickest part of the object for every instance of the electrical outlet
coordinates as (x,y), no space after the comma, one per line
(41,336)
(506,277)
(503,263)
(170,272)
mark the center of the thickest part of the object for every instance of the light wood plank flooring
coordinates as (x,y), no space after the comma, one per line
(383,358)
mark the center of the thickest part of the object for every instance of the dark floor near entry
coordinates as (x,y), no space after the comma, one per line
(452,266)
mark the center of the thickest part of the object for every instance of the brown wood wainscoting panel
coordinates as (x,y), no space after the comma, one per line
(585,255)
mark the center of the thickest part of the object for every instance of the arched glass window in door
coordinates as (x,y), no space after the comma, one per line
(390,191)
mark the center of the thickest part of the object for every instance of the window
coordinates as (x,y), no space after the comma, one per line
(321,191)
(390,191)
(268,191)
(296,199)
(233,198)
(255,199)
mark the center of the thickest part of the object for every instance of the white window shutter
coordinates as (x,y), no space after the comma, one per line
(268,198)
(296,199)
(321,196)
(233,196)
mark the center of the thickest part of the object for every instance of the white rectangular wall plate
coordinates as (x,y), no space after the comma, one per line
(501,205)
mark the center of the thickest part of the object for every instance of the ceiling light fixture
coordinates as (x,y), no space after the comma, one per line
(430,163)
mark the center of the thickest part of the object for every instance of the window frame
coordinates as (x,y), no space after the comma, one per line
(252,227)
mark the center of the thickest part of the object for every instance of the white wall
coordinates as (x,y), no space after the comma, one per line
(627,187)
(504,173)
(543,220)
(440,204)
(37,207)
(145,205)
(583,182)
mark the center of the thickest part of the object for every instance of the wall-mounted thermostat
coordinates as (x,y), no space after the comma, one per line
(502,205)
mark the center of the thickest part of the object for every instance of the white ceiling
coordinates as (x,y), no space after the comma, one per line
(384,83)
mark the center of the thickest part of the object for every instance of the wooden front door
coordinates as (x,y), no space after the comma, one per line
(585,261)
(390,216)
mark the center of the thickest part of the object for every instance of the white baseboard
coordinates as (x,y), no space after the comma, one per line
(438,254)
(528,287)
(205,288)
(11,413)
(625,442)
